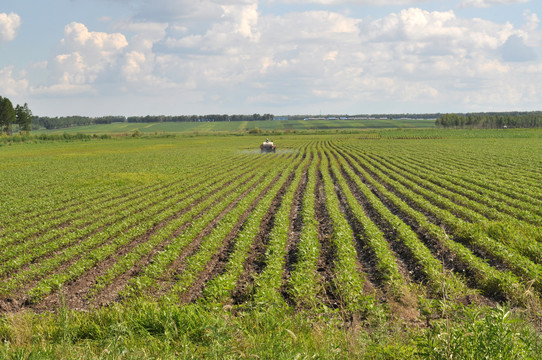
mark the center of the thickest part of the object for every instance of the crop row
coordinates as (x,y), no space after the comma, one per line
(491,280)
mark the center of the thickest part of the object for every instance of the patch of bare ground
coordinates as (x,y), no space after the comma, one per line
(439,251)
(74,294)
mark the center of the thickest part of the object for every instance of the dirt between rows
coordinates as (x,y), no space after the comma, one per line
(177,267)
(217,264)
(60,250)
(255,262)
(441,253)
(296,226)
(75,294)
(328,252)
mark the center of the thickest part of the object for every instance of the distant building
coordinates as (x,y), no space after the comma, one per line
(280,117)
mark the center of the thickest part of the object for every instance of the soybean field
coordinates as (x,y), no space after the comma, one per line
(328,221)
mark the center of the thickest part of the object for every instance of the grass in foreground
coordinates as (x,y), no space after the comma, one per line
(145,330)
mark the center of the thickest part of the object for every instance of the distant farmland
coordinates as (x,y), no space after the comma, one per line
(244,126)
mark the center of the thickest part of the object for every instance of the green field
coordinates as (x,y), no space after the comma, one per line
(244,126)
(379,244)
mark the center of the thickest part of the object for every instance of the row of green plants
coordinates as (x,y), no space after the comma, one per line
(269,282)
(492,281)
(205,198)
(86,208)
(197,262)
(57,235)
(305,283)
(481,176)
(54,205)
(503,175)
(220,288)
(508,230)
(348,280)
(57,240)
(440,281)
(161,262)
(473,234)
(489,199)
(104,243)
(373,237)
(118,233)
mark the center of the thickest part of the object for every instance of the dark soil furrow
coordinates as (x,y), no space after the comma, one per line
(296,225)
(255,262)
(328,253)
(76,290)
(177,267)
(110,293)
(496,263)
(447,258)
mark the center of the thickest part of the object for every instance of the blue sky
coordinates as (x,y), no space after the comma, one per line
(140,57)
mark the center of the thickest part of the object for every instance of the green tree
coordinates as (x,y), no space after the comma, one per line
(24,117)
(7,115)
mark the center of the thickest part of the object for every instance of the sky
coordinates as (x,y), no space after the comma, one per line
(181,57)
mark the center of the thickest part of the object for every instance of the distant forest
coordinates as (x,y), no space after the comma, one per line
(471,120)
(491,120)
(69,121)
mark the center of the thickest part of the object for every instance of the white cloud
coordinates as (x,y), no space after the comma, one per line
(12,85)
(489,3)
(413,56)
(531,21)
(354,2)
(77,37)
(9,25)
(246,60)
(87,55)
(245,19)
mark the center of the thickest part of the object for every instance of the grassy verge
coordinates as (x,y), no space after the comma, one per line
(145,330)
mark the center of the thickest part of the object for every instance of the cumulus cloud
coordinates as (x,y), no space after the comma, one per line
(359,2)
(242,59)
(412,56)
(12,84)
(531,21)
(9,25)
(86,56)
(489,3)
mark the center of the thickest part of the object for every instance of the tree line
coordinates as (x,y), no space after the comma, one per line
(10,115)
(491,120)
(69,121)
